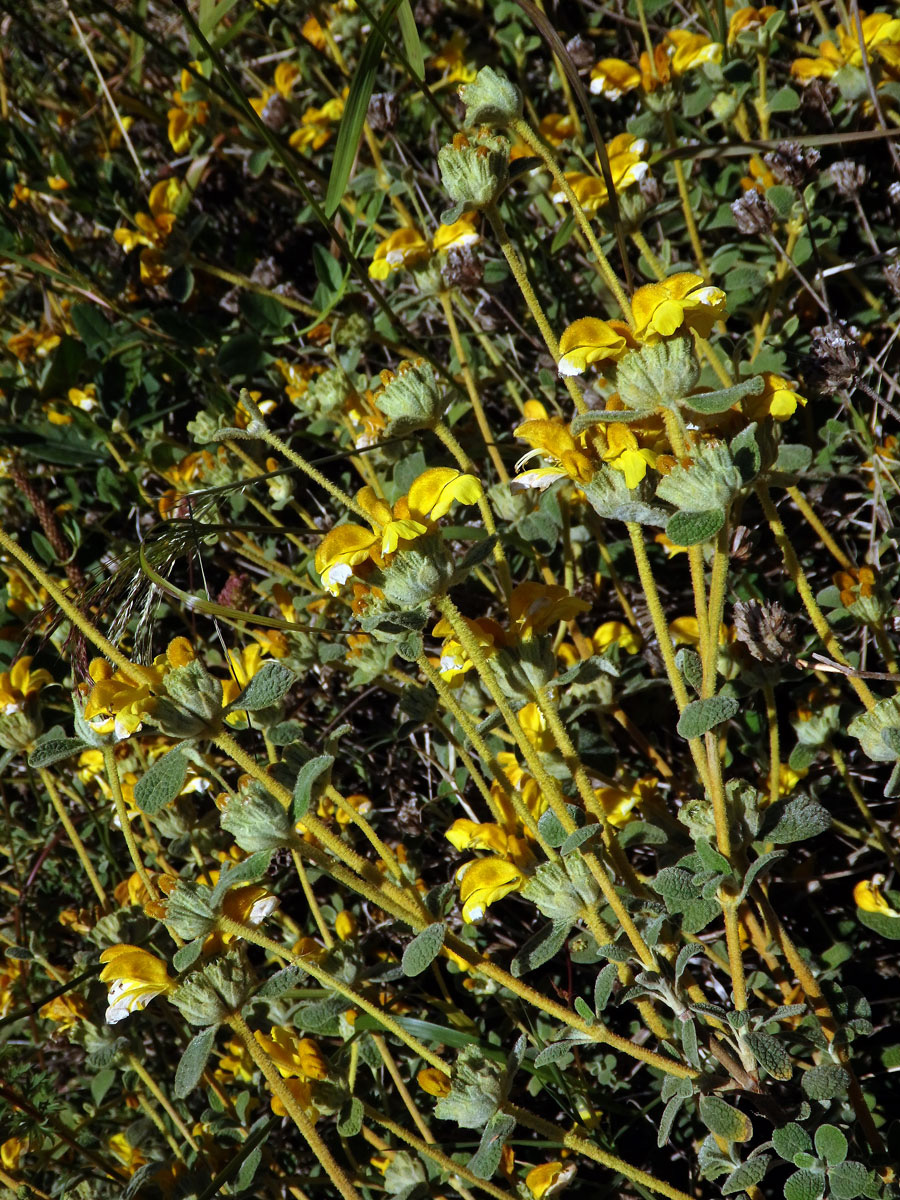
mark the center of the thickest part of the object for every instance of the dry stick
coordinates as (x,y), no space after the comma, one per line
(690,222)
(293,1109)
(581,1146)
(437,1156)
(798,577)
(402,1090)
(72,833)
(774,748)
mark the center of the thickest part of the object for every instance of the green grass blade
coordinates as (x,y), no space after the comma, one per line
(410,35)
(354,116)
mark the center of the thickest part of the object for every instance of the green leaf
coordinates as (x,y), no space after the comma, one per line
(769,1053)
(880,923)
(303,788)
(423,949)
(93,328)
(723,399)
(351,1118)
(675,884)
(758,867)
(688,663)
(159,786)
(583,1010)
(723,1120)
(603,986)
(354,115)
(54,750)
(266,688)
(848,1180)
(550,827)
(670,1112)
(747,1175)
(790,1140)
(193,1062)
(281,982)
(477,554)
(578,837)
(793,458)
(553,1053)
(540,948)
(805,1185)
(186,956)
(685,954)
(700,716)
(711,858)
(247,871)
(101,1083)
(797,820)
(784,100)
(831,1144)
(697,914)
(825,1082)
(691,528)
(411,44)
(745,453)
(486,1159)
(249,1167)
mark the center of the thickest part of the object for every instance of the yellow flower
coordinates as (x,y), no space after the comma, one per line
(870,898)
(618,803)
(612,78)
(432,492)
(556,128)
(249,905)
(56,183)
(186,113)
(302,1096)
(682,301)
(881,36)
(295,1057)
(346,925)
(393,525)
(119,703)
(316,124)
(287,75)
(777,399)
(11,1152)
(451,60)
(760,176)
(461,233)
(687,51)
(20,683)
(626,165)
(135,976)
(624,454)
(454,661)
(590,340)
(403,249)
(464,834)
(433,1081)
(65,1011)
(342,549)
(235,1064)
(130,1156)
(153,227)
(534,607)
(616,633)
(483,882)
(748,19)
(551,438)
(548,1179)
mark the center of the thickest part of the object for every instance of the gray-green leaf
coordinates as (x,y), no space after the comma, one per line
(423,949)
(53,751)
(700,716)
(747,1175)
(307,776)
(727,1122)
(159,786)
(770,1053)
(266,688)
(193,1062)
(831,1144)
(825,1082)
(691,528)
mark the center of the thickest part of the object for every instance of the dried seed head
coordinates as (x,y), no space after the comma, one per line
(275,113)
(768,632)
(752,213)
(462,267)
(848,177)
(743,543)
(833,358)
(651,189)
(792,163)
(383,112)
(582,52)
(892,276)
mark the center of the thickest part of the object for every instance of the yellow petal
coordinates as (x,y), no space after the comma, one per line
(586,341)
(484,882)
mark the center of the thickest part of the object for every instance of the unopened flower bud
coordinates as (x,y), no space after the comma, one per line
(257,821)
(410,397)
(657,374)
(491,99)
(211,995)
(562,890)
(474,170)
(707,480)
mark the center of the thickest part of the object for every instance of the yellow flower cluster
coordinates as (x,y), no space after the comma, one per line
(881,37)
(153,230)
(627,167)
(678,53)
(406,248)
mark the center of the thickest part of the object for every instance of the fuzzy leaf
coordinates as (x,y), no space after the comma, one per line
(550,827)
(688,663)
(159,786)
(747,1175)
(553,1053)
(351,1118)
(670,1112)
(805,1185)
(881,923)
(745,452)
(727,1122)
(685,954)
(540,948)
(579,837)
(790,1140)
(186,956)
(831,1144)
(281,982)
(247,871)
(848,1180)
(303,788)
(723,399)
(266,688)
(603,986)
(691,528)
(770,1053)
(486,1159)
(797,820)
(54,750)
(793,458)
(700,716)
(193,1062)
(759,866)
(825,1082)
(423,949)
